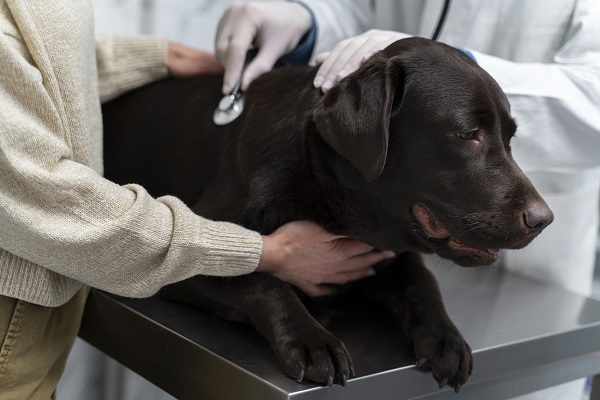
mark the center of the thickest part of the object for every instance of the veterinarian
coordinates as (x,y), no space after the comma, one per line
(545,56)
(64,228)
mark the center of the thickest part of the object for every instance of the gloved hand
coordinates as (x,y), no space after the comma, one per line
(349,54)
(274,27)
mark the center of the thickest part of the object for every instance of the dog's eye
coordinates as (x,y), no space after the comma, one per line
(467,135)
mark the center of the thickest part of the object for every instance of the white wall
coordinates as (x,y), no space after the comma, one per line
(192,22)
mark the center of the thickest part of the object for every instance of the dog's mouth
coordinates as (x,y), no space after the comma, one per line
(449,246)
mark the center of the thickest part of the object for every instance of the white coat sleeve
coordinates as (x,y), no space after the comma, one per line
(557,105)
(339,19)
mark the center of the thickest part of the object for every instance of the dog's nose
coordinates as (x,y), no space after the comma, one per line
(537,217)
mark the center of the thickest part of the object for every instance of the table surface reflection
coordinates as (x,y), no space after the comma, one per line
(525,336)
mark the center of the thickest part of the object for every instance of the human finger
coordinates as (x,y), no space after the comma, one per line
(362,54)
(337,56)
(315,290)
(349,276)
(225,30)
(235,55)
(359,267)
(348,247)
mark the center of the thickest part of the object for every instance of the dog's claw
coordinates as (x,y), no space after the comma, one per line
(443,383)
(300,376)
(352,372)
(421,362)
(457,388)
(344,379)
(330,380)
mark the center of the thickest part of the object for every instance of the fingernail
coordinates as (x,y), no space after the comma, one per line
(371,272)
(327,85)
(318,81)
(390,254)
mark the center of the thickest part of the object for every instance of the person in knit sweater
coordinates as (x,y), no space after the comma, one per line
(64,228)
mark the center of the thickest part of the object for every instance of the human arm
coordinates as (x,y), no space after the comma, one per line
(125,63)
(120,239)
(59,213)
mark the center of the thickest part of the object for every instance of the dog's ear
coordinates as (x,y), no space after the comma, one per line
(354,116)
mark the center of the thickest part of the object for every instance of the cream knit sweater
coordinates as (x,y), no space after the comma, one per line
(61,223)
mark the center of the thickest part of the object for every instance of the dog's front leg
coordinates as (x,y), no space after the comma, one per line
(410,290)
(303,348)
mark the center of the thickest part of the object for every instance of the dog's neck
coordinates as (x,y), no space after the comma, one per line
(304,178)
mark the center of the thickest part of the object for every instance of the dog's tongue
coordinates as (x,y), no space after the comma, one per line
(429,223)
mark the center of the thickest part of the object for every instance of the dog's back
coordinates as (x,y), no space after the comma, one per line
(163,138)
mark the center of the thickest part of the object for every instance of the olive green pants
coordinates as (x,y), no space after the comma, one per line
(36,342)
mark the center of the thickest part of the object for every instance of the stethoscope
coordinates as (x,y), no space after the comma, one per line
(231,106)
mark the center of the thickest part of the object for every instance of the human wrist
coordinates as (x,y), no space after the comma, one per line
(302,53)
(271,257)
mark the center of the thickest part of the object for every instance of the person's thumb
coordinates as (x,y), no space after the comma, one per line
(230,77)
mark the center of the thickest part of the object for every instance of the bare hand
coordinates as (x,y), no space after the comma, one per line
(303,254)
(183,61)
(349,54)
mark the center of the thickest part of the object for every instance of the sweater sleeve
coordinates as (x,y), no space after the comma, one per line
(62,215)
(128,62)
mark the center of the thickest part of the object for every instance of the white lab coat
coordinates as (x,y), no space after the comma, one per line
(545,54)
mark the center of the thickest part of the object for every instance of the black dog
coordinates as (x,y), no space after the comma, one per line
(410,153)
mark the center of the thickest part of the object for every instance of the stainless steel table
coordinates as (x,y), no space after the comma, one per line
(525,336)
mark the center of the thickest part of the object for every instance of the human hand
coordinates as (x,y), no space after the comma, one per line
(305,255)
(274,27)
(349,54)
(183,61)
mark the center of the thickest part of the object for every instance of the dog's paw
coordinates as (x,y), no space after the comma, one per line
(315,355)
(442,348)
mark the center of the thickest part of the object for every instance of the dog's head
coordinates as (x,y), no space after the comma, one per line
(424,138)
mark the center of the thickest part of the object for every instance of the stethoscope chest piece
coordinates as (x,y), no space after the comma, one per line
(230,107)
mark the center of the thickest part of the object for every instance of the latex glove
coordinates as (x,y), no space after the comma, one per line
(183,61)
(275,27)
(303,254)
(349,54)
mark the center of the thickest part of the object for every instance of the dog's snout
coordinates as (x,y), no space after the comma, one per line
(537,217)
